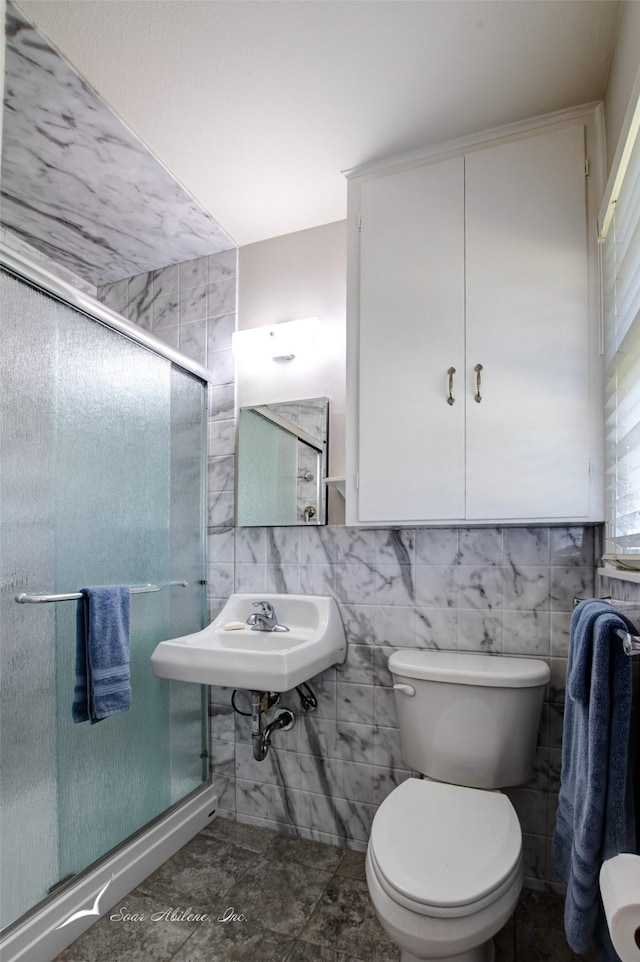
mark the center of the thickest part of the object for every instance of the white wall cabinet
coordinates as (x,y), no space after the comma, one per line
(471,337)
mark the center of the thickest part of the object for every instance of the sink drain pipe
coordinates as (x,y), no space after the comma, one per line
(261,737)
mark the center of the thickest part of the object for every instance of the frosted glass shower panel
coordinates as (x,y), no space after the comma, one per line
(28,806)
(111,515)
(107,488)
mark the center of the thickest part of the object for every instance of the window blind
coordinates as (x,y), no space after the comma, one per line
(620,239)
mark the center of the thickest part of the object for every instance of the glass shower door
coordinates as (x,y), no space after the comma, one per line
(103,458)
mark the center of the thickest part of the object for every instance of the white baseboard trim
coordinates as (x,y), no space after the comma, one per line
(39,939)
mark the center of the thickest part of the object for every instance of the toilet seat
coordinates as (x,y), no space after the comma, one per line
(445,850)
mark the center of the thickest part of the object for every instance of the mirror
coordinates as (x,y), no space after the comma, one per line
(282,463)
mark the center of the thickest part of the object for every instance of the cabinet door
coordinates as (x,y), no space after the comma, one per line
(411,441)
(527,439)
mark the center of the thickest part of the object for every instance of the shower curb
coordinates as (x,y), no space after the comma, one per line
(40,938)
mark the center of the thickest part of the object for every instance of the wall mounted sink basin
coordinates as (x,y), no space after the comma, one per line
(258,660)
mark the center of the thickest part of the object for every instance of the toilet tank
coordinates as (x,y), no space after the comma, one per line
(469,719)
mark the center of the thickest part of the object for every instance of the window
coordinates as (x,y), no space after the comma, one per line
(620,240)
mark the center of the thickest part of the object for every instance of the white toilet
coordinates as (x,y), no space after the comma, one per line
(444,861)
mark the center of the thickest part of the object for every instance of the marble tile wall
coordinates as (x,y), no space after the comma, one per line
(618,589)
(497,590)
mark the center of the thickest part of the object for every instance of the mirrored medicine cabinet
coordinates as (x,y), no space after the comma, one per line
(282,463)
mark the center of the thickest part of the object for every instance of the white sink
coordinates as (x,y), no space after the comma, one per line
(258,660)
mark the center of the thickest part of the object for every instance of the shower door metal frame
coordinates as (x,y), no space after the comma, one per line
(36,276)
(35,926)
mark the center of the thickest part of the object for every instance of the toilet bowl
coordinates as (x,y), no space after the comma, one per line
(444,862)
(444,869)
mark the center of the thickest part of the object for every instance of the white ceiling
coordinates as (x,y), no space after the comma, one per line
(256,106)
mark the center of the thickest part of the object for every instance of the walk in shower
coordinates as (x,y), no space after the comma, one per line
(103,461)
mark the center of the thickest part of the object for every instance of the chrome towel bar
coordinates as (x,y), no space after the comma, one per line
(25,599)
(630,643)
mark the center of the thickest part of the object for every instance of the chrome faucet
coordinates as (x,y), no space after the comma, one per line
(265,619)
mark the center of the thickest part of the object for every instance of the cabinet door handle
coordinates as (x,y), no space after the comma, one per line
(477,396)
(451,372)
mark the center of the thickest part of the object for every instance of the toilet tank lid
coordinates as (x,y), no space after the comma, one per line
(468,668)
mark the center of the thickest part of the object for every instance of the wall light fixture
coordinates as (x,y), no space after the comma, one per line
(278,342)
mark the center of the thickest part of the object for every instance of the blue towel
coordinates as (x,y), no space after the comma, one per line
(102,686)
(595,819)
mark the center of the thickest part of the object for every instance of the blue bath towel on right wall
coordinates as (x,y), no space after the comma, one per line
(595,819)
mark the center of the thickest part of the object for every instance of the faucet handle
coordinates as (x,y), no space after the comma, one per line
(265,606)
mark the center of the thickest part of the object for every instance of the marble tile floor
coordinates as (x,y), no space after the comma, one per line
(269,897)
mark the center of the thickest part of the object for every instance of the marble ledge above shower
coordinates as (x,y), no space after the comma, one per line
(124,213)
